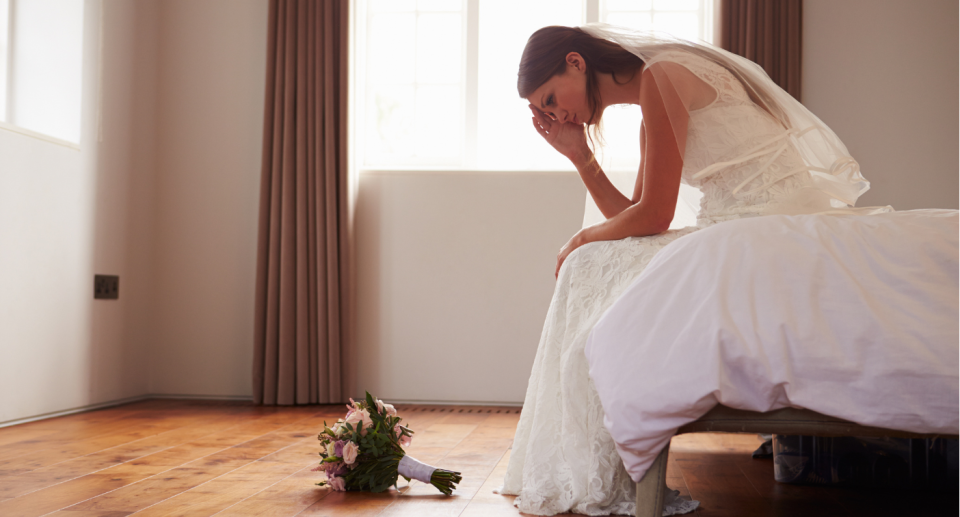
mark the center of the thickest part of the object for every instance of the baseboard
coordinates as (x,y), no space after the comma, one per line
(232,398)
(72,411)
(120,402)
(454,403)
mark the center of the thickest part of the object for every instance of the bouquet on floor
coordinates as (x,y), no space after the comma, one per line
(364,451)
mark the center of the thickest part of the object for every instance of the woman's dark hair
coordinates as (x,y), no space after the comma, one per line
(546,53)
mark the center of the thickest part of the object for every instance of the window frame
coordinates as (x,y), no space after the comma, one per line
(592,11)
(7,95)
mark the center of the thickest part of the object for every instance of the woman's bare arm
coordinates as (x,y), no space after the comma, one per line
(570,140)
(638,187)
(662,166)
(609,200)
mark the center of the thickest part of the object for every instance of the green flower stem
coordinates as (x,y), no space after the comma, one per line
(445,480)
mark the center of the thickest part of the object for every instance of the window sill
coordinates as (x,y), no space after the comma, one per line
(454,171)
(39,136)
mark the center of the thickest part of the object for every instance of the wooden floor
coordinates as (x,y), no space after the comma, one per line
(164,457)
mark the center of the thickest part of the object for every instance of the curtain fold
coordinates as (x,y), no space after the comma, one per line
(303,293)
(767,32)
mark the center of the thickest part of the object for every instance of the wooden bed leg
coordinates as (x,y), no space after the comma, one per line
(650,489)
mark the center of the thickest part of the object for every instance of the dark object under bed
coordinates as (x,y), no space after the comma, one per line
(786,421)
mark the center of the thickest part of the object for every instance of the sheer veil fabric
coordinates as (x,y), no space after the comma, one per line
(754,150)
(836,179)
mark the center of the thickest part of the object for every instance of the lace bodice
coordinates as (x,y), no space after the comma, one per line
(729,129)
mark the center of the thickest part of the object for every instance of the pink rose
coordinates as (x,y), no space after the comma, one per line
(355,417)
(338,484)
(360,419)
(391,411)
(365,418)
(350,451)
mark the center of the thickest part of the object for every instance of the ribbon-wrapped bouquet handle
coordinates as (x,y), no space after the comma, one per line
(364,451)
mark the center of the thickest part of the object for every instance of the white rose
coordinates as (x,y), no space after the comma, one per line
(350,451)
(331,451)
(391,411)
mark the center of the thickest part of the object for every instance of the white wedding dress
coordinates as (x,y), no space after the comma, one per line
(563,458)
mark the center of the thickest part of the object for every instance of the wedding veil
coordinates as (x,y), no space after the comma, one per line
(837,182)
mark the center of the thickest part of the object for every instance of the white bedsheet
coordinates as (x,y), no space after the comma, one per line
(851,316)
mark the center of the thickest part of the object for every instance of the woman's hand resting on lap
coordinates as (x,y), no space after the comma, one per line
(567,138)
(578,239)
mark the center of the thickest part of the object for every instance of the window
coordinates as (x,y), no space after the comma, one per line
(435,80)
(40,66)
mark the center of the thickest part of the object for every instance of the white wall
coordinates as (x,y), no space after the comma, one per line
(454,269)
(66,215)
(883,74)
(210,93)
(163,193)
(455,274)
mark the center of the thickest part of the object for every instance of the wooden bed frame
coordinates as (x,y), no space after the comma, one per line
(782,421)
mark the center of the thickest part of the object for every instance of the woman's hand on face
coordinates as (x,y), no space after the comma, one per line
(579,239)
(567,138)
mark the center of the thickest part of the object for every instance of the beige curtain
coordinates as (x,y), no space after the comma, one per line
(301,353)
(767,32)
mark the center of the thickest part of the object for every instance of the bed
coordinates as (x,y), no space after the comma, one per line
(818,325)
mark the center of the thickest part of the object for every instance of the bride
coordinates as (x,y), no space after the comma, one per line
(712,120)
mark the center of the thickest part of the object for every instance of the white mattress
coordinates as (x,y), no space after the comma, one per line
(851,316)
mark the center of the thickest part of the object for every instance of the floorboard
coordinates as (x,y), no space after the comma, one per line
(199,458)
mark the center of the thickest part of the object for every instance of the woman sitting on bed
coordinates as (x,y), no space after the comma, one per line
(710,119)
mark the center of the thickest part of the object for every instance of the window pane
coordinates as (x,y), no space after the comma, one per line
(389,124)
(440,5)
(414,70)
(439,122)
(641,21)
(621,136)
(628,5)
(47,65)
(414,83)
(386,6)
(391,43)
(681,25)
(676,5)
(439,48)
(4,10)
(506,139)
(621,124)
